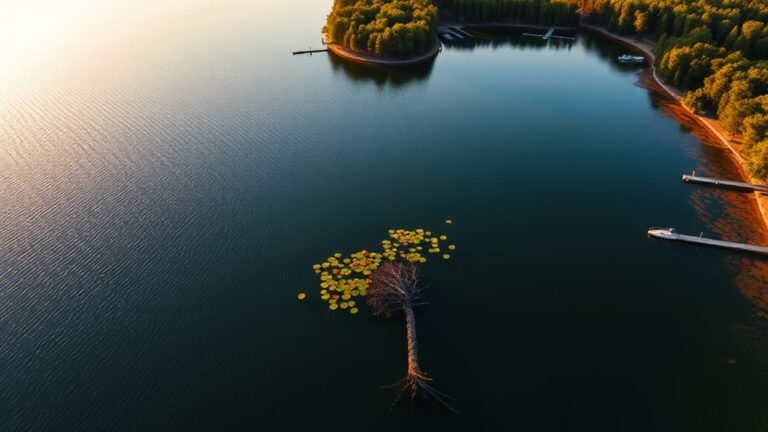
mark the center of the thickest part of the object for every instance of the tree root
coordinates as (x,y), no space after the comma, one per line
(417,383)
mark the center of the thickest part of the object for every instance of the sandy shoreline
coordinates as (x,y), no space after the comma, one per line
(711,125)
(366,58)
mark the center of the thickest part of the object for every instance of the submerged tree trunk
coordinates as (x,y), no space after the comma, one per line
(413,350)
(396,287)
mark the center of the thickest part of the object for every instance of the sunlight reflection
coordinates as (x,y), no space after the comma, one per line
(30,29)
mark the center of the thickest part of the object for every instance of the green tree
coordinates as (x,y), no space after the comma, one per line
(757,160)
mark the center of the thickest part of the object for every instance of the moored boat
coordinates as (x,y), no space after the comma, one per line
(664,233)
(626,58)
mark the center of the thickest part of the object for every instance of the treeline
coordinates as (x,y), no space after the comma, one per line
(542,12)
(383,27)
(717,50)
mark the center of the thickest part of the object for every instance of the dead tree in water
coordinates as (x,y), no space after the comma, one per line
(396,287)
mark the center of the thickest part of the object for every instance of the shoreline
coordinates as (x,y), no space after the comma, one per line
(370,59)
(709,124)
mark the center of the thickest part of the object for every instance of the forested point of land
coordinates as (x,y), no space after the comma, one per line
(715,50)
(383,27)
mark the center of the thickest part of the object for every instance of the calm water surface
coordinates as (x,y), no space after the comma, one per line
(169,173)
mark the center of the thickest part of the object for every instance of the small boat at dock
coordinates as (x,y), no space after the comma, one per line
(626,58)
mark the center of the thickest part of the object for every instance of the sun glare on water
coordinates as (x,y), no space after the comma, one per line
(31,30)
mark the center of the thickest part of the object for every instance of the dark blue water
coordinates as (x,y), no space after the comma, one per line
(168,176)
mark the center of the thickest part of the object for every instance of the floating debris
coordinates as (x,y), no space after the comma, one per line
(302,296)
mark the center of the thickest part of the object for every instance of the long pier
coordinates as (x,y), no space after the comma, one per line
(670,234)
(310,51)
(549,35)
(730,184)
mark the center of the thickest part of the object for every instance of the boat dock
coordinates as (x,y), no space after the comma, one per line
(670,234)
(461,31)
(549,35)
(310,51)
(730,184)
(451,33)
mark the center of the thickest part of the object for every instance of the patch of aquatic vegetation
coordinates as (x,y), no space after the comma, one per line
(344,279)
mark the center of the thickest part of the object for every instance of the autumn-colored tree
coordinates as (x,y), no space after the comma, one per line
(641,22)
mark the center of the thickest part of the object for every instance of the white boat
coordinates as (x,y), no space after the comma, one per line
(626,58)
(664,233)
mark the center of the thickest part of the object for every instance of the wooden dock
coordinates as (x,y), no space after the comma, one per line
(461,31)
(549,35)
(310,51)
(454,33)
(451,33)
(730,184)
(670,234)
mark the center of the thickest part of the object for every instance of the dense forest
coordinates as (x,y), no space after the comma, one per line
(542,12)
(383,27)
(717,50)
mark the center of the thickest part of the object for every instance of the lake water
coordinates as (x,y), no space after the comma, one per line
(169,173)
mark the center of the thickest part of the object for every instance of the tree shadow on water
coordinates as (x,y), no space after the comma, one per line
(381,76)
